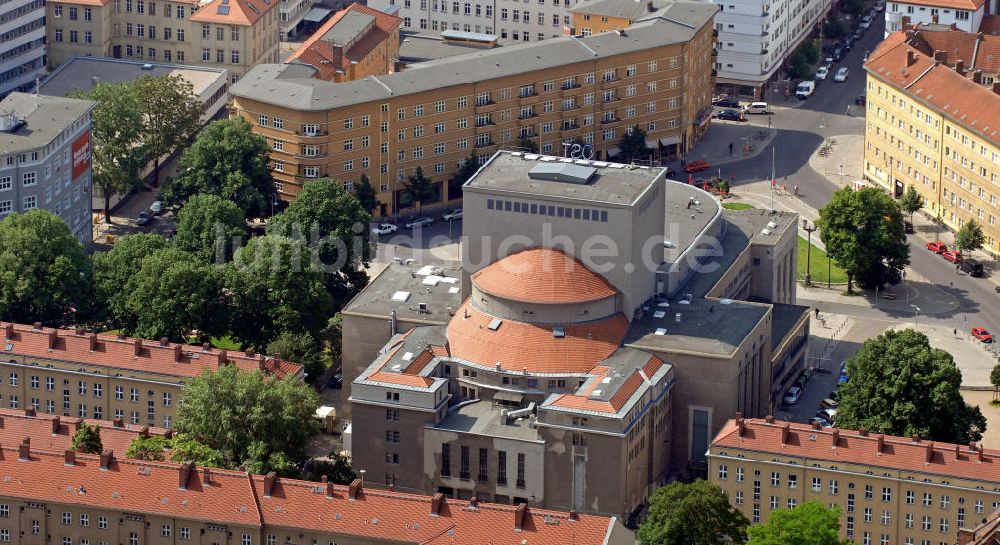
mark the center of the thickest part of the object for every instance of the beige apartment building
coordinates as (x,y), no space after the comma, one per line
(75,373)
(891,490)
(933,101)
(657,74)
(229,34)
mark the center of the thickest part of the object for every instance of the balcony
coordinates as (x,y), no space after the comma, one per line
(570,127)
(487,102)
(480,123)
(609,120)
(570,108)
(527,95)
(484,144)
(528,116)
(715,33)
(529,134)
(568,86)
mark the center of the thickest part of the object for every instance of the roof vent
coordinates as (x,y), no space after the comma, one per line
(772,225)
(765,232)
(558,332)
(10,122)
(495,324)
(401,296)
(562,172)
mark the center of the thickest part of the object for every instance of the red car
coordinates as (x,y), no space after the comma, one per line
(951,256)
(981,334)
(937,247)
(697,166)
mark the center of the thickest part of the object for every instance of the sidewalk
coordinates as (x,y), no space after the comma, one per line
(713,146)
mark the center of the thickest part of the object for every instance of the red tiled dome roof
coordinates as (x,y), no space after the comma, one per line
(543,275)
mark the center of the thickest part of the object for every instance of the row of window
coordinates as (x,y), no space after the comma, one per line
(585,214)
(143,31)
(482,473)
(34,382)
(140,7)
(73,13)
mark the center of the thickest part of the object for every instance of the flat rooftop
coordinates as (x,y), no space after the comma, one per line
(483,418)
(783,318)
(79,72)
(416,48)
(761,226)
(403,288)
(683,224)
(40,119)
(610,183)
(706,326)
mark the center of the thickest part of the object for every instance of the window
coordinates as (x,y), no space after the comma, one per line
(910,497)
(279,145)
(445,460)
(775,479)
(723,472)
(886,494)
(464,467)
(119,390)
(833,487)
(165,530)
(167,399)
(520,470)
(28,179)
(134,395)
(185,532)
(67,518)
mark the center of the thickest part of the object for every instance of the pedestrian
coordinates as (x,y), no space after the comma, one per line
(730,148)
(955,331)
(848,110)
(796,188)
(816,309)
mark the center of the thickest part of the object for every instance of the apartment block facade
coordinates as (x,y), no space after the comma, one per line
(889,489)
(230,34)
(592,89)
(966,15)
(22,45)
(45,158)
(930,124)
(78,374)
(510,21)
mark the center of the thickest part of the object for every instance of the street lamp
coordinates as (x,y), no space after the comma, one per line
(808,229)
(916,310)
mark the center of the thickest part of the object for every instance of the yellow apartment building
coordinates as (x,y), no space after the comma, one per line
(599,16)
(230,34)
(657,75)
(931,123)
(890,490)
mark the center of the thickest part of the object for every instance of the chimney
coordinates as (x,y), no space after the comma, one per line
(784,433)
(741,424)
(329,488)
(769,419)
(354,490)
(995,87)
(965,537)
(269,483)
(184,474)
(223,357)
(262,364)
(862,432)
(929,456)
(29,412)
(437,502)
(8,331)
(78,331)
(118,423)
(206,476)
(136,347)
(164,341)
(934,18)
(979,454)
(649,7)
(92,338)
(940,56)
(23,451)
(474,502)
(960,66)
(56,424)
(977,77)
(37,326)
(144,432)
(106,458)
(835,436)
(519,514)
(205,347)
(957,452)
(905,22)
(573,515)
(879,444)
(816,425)
(69,458)
(911,57)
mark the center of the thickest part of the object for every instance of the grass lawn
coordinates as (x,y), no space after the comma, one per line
(820,262)
(736,206)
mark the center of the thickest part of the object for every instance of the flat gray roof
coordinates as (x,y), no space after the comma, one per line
(385,293)
(275,84)
(612,183)
(756,221)
(347,29)
(317,15)
(417,48)
(78,73)
(483,418)
(783,319)
(706,326)
(683,222)
(46,118)
(626,9)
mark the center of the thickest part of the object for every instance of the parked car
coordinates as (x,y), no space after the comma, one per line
(866,22)
(981,334)
(880,5)
(823,423)
(730,115)
(156,208)
(828,403)
(384,229)
(792,395)
(822,72)
(843,373)
(972,267)
(143,218)
(453,214)
(760,108)
(952,257)
(336,381)
(838,53)
(861,99)
(937,246)
(726,102)
(419,222)
(907,227)
(834,395)
(827,414)
(841,75)
(697,166)
(805,89)
(848,43)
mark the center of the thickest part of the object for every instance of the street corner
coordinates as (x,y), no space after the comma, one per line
(840,158)
(975,359)
(727,142)
(915,297)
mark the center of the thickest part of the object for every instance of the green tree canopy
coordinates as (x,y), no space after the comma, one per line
(152,448)
(910,201)
(697,513)
(633,144)
(995,380)
(338,469)
(256,422)
(171,114)
(421,189)
(863,233)
(172,294)
(301,348)
(970,237)
(274,285)
(806,524)
(228,160)
(117,132)
(528,145)
(208,225)
(44,274)
(87,439)
(366,195)
(900,385)
(114,268)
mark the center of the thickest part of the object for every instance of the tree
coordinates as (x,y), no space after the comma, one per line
(301,348)
(803,58)
(114,268)
(528,145)
(633,144)
(338,469)
(171,114)
(910,202)
(691,514)
(901,386)
(186,449)
(806,524)
(250,420)
(995,381)
(468,169)
(835,28)
(854,7)
(117,131)
(970,237)
(275,286)
(44,274)
(863,233)
(152,448)
(87,439)
(365,193)
(724,186)
(228,160)
(420,189)
(172,294)
(210,227)
(333,336)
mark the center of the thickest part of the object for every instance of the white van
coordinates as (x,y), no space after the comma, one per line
(805,89)
(758,108)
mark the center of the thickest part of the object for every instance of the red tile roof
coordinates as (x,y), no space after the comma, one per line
(239,12)
(132,354)
(543,276)
(322,56)
(55,433)
(937,86)
(976,51)
(971,5)
(233,497)
(990,25)
(579,400)
(520,345)
(898,453)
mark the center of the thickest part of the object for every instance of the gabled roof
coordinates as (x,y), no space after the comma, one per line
(233,12)
(318,50)
(976,51)
(544,276)
(55,433)
(970,5)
